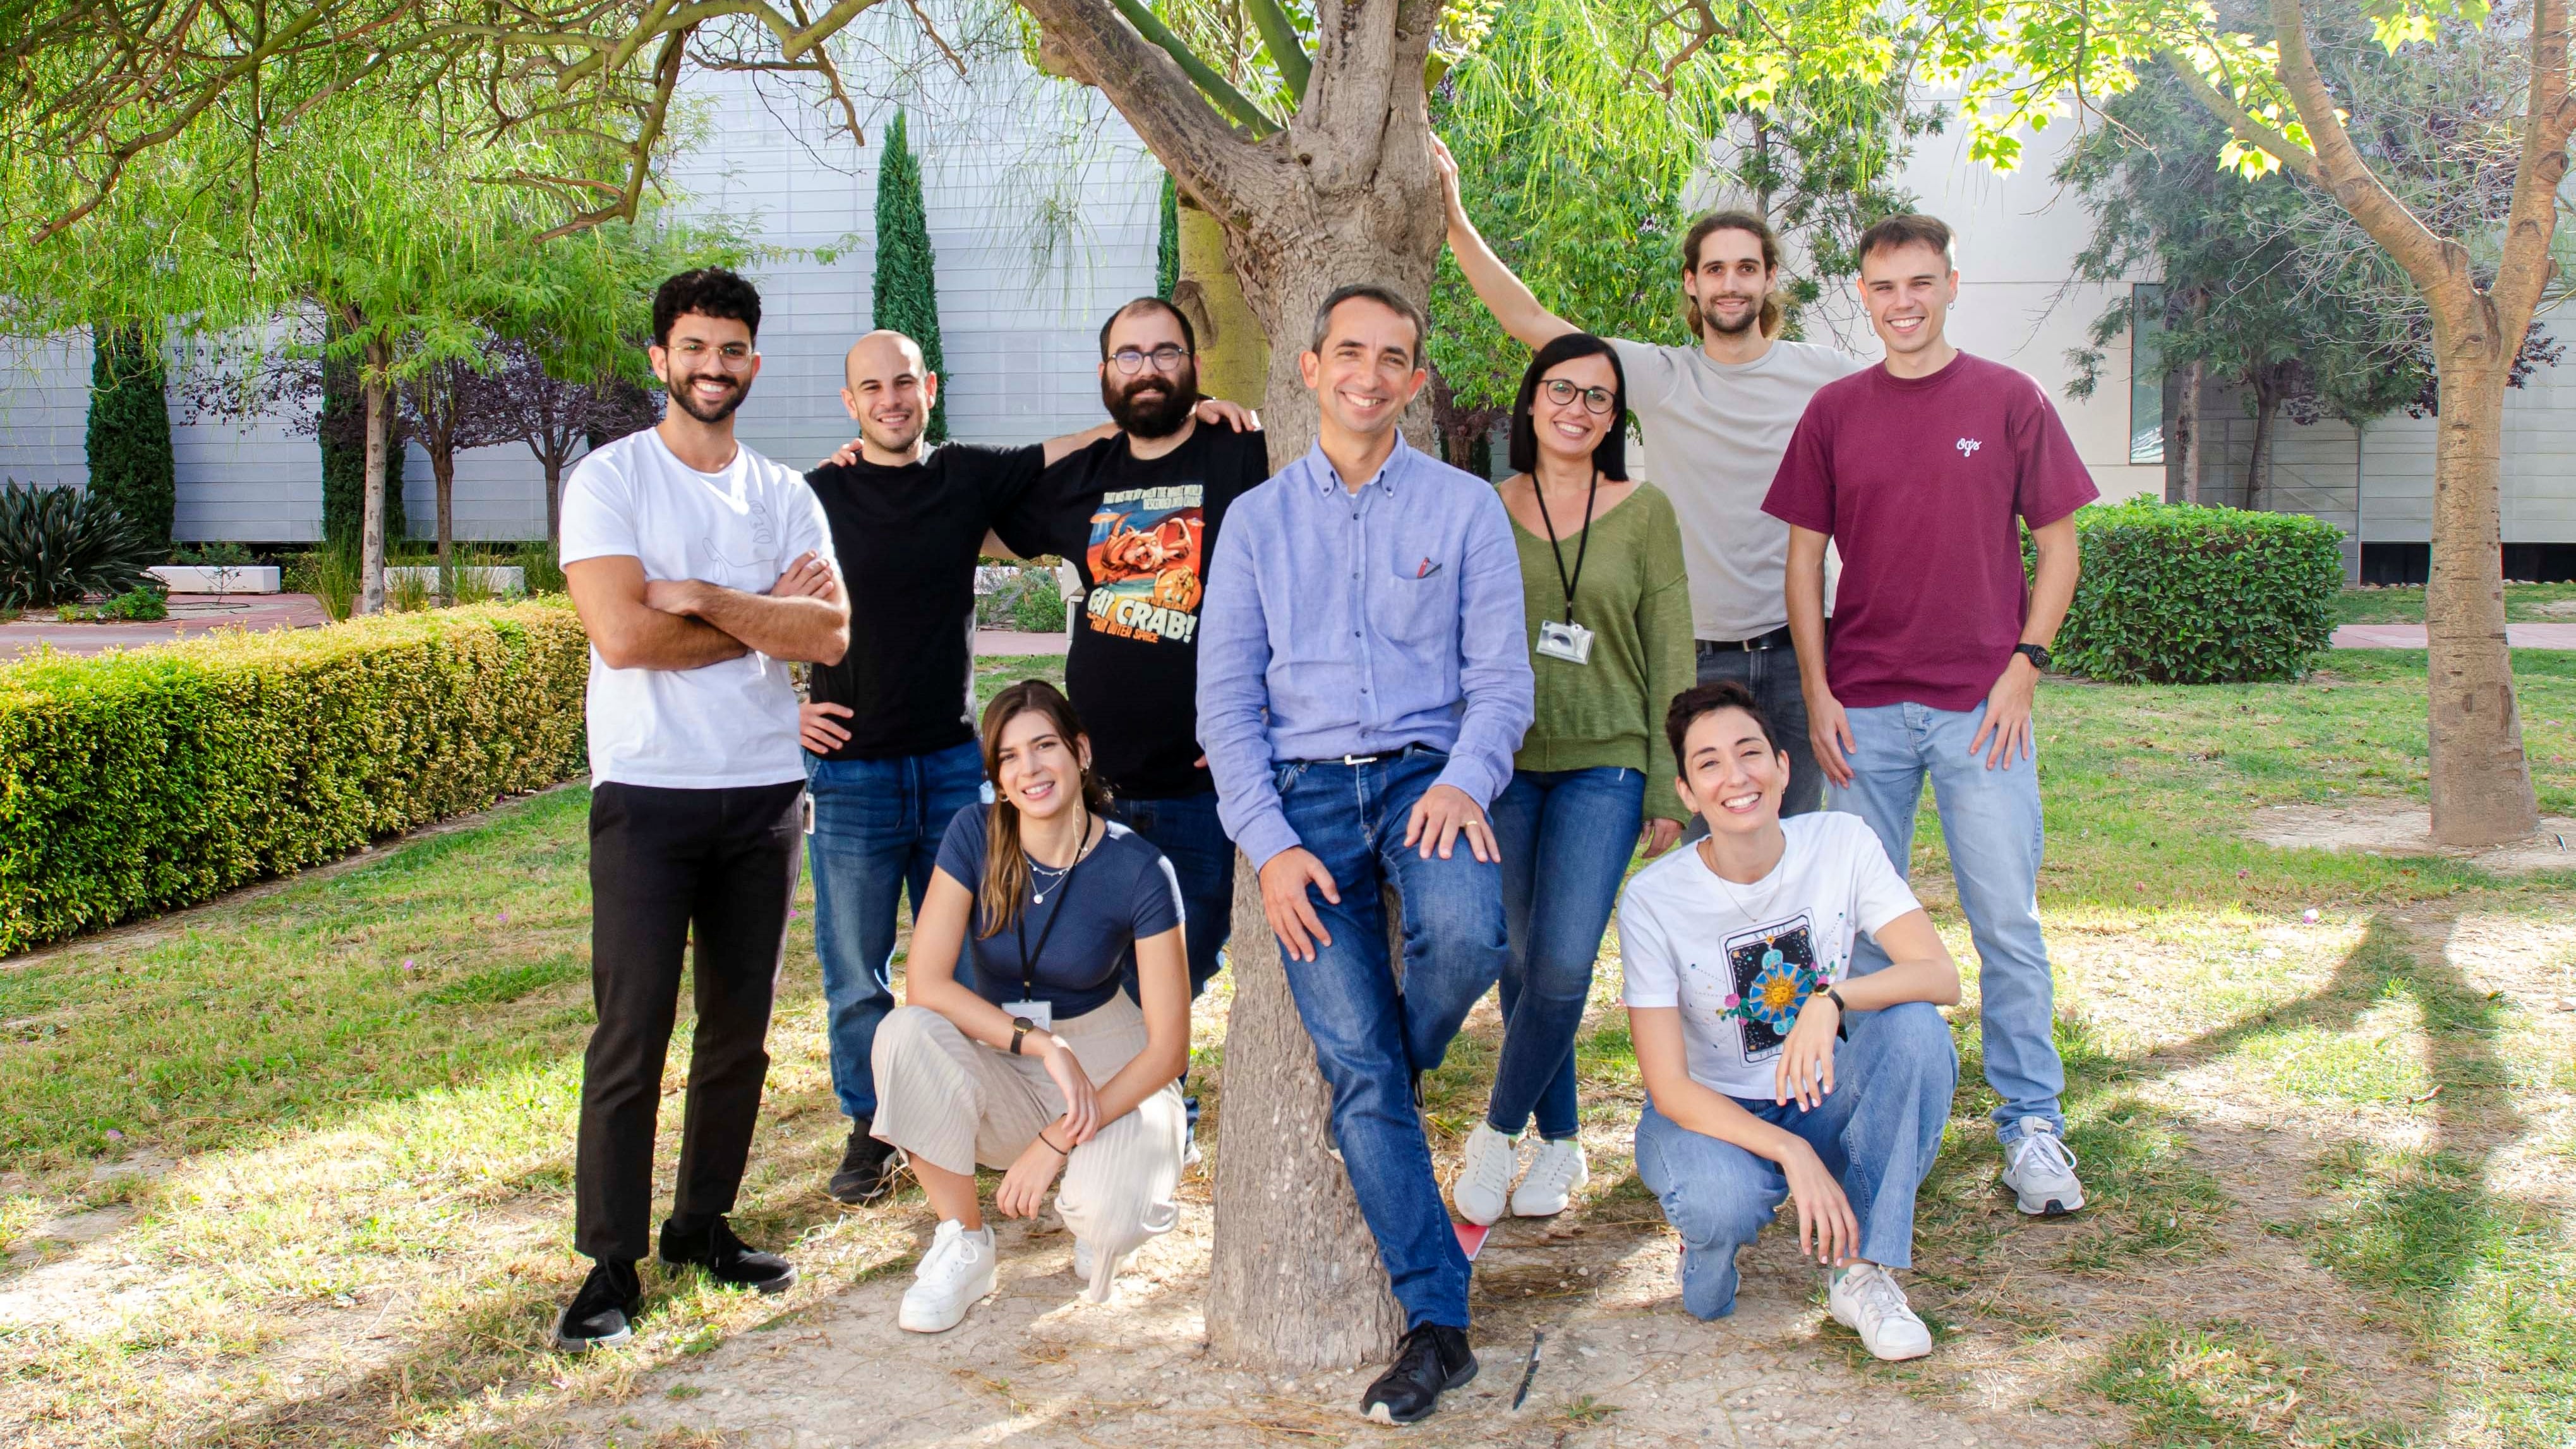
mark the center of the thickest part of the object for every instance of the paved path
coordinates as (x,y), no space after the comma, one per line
(1012,641)
(190,614)
(2411,636)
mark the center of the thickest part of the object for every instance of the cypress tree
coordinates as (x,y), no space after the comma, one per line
(1167,242)
(906,293)
(344,461)
(130,464)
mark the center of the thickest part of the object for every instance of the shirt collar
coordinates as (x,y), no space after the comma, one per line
(1328,479)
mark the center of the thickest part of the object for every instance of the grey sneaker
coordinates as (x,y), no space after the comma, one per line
(2040,1169)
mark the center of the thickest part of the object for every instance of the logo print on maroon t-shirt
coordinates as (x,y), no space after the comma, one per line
(1145,560)
(1968,446)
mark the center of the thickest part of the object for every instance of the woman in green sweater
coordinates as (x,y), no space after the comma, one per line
(1610,642)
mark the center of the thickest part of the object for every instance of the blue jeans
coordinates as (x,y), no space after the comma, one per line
(1185,829)
(1566,837)
(1991,820)
(1371,1035)
(1877,1133)
(877,828)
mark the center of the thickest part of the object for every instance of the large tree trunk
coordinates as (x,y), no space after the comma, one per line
(1234,352)
(2481,782)
(371,531)
(1295,1282)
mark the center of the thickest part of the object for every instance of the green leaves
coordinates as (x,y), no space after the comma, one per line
(2175,593)
(58,545)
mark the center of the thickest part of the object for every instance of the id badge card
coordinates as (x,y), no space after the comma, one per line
(1566,640)
(1042,1013)
(805,812)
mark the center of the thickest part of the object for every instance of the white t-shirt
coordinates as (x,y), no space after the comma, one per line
(1715,433)
(1739,960)
(726,724)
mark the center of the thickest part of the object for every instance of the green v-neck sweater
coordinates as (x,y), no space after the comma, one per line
(1635,598)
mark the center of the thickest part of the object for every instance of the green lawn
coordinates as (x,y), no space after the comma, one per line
(2331,1161)
(2522,603)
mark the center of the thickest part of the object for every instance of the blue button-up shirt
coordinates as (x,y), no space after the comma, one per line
(1341,623)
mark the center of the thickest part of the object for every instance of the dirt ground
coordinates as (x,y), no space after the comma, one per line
(2397,827)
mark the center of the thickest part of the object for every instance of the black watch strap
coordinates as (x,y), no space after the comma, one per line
(1842,1013)
(1021,1026)
(2037,654)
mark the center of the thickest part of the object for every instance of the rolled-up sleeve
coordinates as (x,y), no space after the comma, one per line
(1234,665)
(1493,659)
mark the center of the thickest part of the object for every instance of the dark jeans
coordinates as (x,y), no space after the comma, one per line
(1566,837)
(1370,1035)
(669,867)
(877,828)
(1772,675)
(1185,829)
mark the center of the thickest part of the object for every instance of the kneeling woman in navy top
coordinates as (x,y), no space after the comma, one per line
(1044,1065)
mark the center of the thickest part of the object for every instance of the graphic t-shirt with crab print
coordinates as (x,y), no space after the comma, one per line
(1739,960)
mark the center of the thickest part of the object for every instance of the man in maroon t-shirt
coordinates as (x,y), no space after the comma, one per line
(1921,469)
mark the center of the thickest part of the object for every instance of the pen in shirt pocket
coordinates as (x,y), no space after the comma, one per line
(1426,568)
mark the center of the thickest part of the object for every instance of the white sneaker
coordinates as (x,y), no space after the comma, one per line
(1552,1180)
(2040,1169)
(954,1275)
(1484,1180)
(1868,1302)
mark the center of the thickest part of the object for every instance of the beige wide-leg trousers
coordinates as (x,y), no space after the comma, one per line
(954,1103)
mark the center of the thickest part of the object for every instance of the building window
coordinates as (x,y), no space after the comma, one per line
(2146,374)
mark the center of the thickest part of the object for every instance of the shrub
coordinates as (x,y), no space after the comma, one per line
(58,545)
(136,782)
(2176,593)
(128,444)
(141,604)
(1040,607)
(330,574)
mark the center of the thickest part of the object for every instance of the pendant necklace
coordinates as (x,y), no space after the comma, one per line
(1037,896)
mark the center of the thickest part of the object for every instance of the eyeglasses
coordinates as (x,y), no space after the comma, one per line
(732,356)
(1595,399)
(1165,358)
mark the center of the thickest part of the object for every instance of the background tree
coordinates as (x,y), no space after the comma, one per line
(128,440)
(340,426)
(557,420)
(905,295)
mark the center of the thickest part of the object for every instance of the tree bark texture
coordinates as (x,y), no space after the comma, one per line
(2481,781)
(371,529)
(1234,351)
(1295,1283)
(2187,423)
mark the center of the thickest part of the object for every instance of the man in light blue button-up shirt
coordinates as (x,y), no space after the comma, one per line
(1364,679)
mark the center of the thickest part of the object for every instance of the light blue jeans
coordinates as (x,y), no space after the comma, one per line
(1991,820)
(1566,836)
(1877,1133)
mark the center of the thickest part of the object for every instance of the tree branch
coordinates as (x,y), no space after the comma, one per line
(2298,159)
(1234,102)
(2436,263)
(1279,36)
(666,79)
(1158,98)
(2525,269)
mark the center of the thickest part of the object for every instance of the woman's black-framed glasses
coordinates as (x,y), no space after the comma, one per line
(1165,358)
(1595,399)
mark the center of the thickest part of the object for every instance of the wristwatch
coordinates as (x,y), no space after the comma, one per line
(2037,654)
(1842,1013)
(1020,1026)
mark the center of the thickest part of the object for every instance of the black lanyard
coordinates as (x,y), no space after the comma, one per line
(1028,963)
(1591,493)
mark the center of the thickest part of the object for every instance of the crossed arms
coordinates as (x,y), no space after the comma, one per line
(640,623)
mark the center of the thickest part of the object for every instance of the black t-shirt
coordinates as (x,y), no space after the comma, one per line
(1121,893)
(1141,532)
(908,538)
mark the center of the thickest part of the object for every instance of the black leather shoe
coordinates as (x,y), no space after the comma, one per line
(1432,1360)
(727,1259)
(867,1168)
(599,1315)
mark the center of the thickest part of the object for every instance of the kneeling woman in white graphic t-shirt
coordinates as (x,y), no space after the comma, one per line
(1043,1064)
(1773,1073)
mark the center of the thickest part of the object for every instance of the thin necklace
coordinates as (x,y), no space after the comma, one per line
(1037,897)
(1708,857)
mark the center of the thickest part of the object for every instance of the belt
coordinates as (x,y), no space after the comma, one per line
(1776,639)
(1377,758)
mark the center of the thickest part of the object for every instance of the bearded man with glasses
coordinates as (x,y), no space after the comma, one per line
(1138,513)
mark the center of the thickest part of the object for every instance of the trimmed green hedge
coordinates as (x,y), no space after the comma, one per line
(2176,593)
(140,781)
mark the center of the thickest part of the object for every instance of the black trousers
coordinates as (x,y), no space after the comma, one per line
(668,867)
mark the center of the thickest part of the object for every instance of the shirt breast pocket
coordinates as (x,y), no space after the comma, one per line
(1420,599)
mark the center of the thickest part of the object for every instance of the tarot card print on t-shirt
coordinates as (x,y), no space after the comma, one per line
(1146,561)
(1771,971)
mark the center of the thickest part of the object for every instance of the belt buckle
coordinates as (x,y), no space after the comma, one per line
(1354,761)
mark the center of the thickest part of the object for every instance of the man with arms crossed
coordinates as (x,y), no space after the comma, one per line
(1139,513)
(699,569)
(1921,470)
(1363,683)
(891,727)
(1716,418)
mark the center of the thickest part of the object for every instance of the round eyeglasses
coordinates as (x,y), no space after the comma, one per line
(1595,399)
(1165,358)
